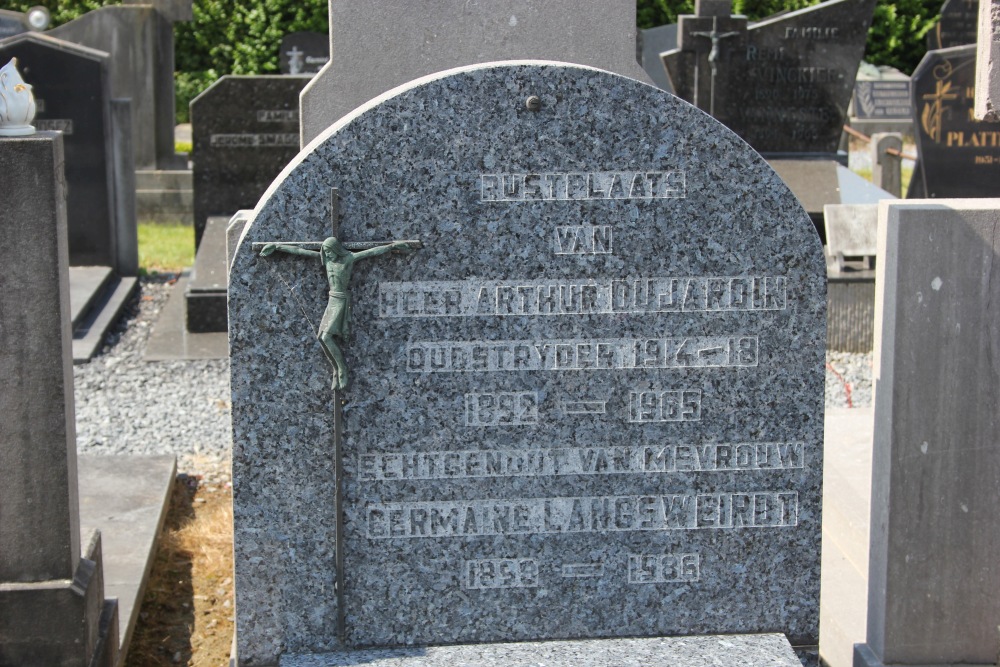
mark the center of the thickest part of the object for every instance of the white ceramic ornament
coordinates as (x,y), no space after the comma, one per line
(17,104)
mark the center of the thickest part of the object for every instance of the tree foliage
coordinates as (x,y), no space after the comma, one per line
(243,36)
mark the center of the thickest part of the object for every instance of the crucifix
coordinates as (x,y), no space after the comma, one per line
(713,56)
(295,60)
(338,261)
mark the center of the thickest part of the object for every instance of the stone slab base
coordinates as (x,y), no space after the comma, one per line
(97,299)
(864,656)
(170,340)
(207,310)
(771,650)
(125,497)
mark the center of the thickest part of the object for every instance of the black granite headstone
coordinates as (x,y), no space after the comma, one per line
(245,129)
(959,25)
(959,156)
(782,84)
(304,52)
(71,89)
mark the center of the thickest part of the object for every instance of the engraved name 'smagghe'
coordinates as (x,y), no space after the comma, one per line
(560,186)
(577,355)
(651,459)
(475,297)
(468,518)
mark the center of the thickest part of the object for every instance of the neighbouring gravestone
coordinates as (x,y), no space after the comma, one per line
(653,42)
(73,96)
(782,84)
(244,130)
(850,232)
(882,95)
(12,23)
(987,105)
(140,41)
(589,404)
(958,25)
(380,45)
(933,575)
(959,156)
(304,52)
(52,605)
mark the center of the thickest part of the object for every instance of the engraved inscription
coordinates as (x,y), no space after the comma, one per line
(585,407)
(663,569)
(277,116)
(465,464)
(514,408)
(277,140)
(578,355)
(582,186)
(763,509)
(664,406)
(488,573)
(64,125)
(472,298)
(582,570)
(584,240)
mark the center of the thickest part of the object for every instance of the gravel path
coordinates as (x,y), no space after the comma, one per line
(125,405)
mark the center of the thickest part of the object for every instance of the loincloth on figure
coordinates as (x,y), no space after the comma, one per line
(337,316)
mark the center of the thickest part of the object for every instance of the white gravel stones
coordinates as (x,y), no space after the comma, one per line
(125,405)
(848,380)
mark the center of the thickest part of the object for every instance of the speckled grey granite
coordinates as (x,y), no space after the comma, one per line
(704,651)
(590,490)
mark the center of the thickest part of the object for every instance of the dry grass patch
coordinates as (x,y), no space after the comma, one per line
(187,613)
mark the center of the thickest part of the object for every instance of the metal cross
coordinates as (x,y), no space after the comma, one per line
(713,57)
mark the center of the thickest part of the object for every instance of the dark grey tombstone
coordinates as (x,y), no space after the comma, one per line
(782,84)
(244,130)
(73,93)
(959,156)
(140,42)
(590,405)
(959,25)
(304,52)
(52,605)
(12,23)
(653,42)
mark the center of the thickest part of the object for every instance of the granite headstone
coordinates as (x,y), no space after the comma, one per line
(72,91)
(382,44)
(782,84)
(987,105)
(653,42)
(12,23)
(932,574)
(140,42)
(589,405)
(958,26)
(304,52)
(244,130)
(885,96)
(959,156)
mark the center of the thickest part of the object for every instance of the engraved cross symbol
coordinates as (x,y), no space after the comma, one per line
(933,113)
(713,56)
(295,60)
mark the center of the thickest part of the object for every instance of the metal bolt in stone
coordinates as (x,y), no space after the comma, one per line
(533,103)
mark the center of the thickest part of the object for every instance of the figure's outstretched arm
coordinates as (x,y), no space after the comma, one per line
(382,249)
(270,249)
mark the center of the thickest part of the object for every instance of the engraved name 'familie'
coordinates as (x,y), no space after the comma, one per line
(727,510)
(650,459)
(485,298)
(563,186)
(581,355)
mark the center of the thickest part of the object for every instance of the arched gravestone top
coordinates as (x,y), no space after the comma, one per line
(591,405)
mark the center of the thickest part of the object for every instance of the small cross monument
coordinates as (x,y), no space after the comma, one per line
(709,40)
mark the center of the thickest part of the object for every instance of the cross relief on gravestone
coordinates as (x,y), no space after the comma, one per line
(338,261)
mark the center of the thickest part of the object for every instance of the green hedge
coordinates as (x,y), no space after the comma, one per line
(243,36)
